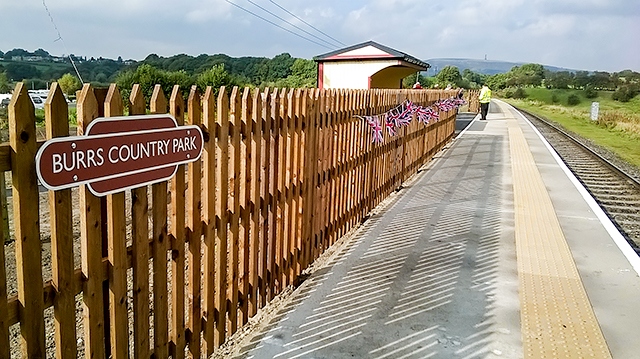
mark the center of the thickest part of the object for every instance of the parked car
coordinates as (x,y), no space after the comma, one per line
(4,102)
(38,102)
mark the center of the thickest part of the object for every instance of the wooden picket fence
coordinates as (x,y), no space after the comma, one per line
(175,268)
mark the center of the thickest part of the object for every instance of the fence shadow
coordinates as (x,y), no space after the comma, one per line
(420,279)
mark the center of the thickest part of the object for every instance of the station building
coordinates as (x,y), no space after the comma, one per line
(365,66)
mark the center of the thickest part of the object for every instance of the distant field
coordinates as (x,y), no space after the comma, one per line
(618,127)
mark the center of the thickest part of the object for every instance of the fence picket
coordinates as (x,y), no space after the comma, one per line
(57,124)
(158,105)
(91,252)
(194,232)
(265,202)
(177,185)
(235,123)
(256,170)
(245,210)
(222,200)
(276,245)
(209,163)
(117,251)
(140,249)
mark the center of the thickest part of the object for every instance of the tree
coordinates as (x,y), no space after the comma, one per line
(4,83)
(449,75)
(16,52)
(303,74)
(559,80)
(581,79)
(603,80)
(20,71)
(215,77)
(526,75)
(42,53)
(474,79)
(497,81)
(69,84)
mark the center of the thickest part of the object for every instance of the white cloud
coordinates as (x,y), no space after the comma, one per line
(589,34)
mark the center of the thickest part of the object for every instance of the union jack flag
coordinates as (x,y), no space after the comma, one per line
(376,129)
(404,117)
(390,126)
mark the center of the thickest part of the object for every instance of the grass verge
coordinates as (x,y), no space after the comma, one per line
(617,128)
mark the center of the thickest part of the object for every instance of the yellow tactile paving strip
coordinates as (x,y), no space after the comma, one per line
(557,318)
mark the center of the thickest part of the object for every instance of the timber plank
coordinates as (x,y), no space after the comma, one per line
(140,249)
(194,232)
(234,206)
(117,251)
(57,124)
(222,200)
(160,247)
(177,185)
(256,170)
(209,190)
(266,240)
(91,244)
(275,209)
(245,215)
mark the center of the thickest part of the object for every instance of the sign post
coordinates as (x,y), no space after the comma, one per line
(119,153)
(595,108)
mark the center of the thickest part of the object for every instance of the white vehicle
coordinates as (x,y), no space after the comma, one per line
(38,102)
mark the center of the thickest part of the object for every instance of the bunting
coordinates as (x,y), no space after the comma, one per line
(402,115)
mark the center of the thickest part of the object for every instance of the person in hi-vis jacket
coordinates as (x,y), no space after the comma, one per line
(484,99)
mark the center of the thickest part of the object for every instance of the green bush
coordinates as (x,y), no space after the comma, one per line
(590,92)
(624,93)
(508,93)
(554,98)
(573,100)
(519,93)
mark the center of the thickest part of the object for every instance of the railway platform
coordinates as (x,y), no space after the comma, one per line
(493,250)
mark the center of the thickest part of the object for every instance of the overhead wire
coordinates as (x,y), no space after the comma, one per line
(290,23)
(46,8)
(274,24)
(306,23)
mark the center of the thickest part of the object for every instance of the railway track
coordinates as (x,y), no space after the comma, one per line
(614,185)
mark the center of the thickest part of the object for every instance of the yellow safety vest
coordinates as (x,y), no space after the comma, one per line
(485,95)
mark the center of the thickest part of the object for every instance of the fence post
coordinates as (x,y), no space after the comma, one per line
(158,104)
(140,249)
(91,244)
(234,172)
(22,133)
(176,105)
(194,233)
(256,182)
(245,255)
(60,212)
(209,218)
(117,251)
(222,200)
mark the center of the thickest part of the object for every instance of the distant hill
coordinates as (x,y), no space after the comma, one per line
(486,67)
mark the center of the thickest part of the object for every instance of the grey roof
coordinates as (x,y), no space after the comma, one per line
(397,54)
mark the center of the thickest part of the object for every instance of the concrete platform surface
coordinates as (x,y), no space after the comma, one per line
(434,274)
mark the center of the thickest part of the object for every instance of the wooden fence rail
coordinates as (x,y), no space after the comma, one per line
(175,268)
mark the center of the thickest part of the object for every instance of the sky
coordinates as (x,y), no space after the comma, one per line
(594,35)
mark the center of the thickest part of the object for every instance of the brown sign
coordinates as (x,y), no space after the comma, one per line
(119,153)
